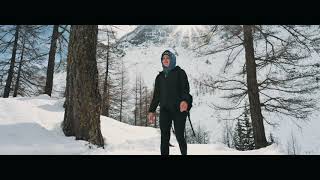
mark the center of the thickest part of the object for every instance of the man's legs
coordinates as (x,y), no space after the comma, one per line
(165,126)
(179,127)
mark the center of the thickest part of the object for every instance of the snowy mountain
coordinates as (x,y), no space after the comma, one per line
(31,125)
(173,35)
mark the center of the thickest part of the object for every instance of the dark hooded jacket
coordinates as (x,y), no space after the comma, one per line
(169,90)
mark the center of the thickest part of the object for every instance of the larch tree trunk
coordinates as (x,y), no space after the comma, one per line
(105,96)
(253,91)
(146,105)
(16,87)
(82,91)
(136,103)
(52,54)
(12,63)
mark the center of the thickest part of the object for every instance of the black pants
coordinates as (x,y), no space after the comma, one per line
(179,120)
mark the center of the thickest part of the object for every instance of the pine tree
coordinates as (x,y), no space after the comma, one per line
(238,137)
(201,135)
(243,134)
(248,133)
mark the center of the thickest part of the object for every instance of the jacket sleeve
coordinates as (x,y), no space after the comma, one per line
(185,87)
(156,96)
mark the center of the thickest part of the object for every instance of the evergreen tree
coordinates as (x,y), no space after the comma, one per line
(243,135)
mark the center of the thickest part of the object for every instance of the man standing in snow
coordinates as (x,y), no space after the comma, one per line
(172,92)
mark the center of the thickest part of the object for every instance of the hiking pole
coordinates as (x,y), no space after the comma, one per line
(191,124)
(174,134)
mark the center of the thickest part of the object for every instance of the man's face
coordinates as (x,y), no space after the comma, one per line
(166,60)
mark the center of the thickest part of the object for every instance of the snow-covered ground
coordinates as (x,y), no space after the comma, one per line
(31,125)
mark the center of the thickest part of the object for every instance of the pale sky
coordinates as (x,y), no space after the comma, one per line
(123,29)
